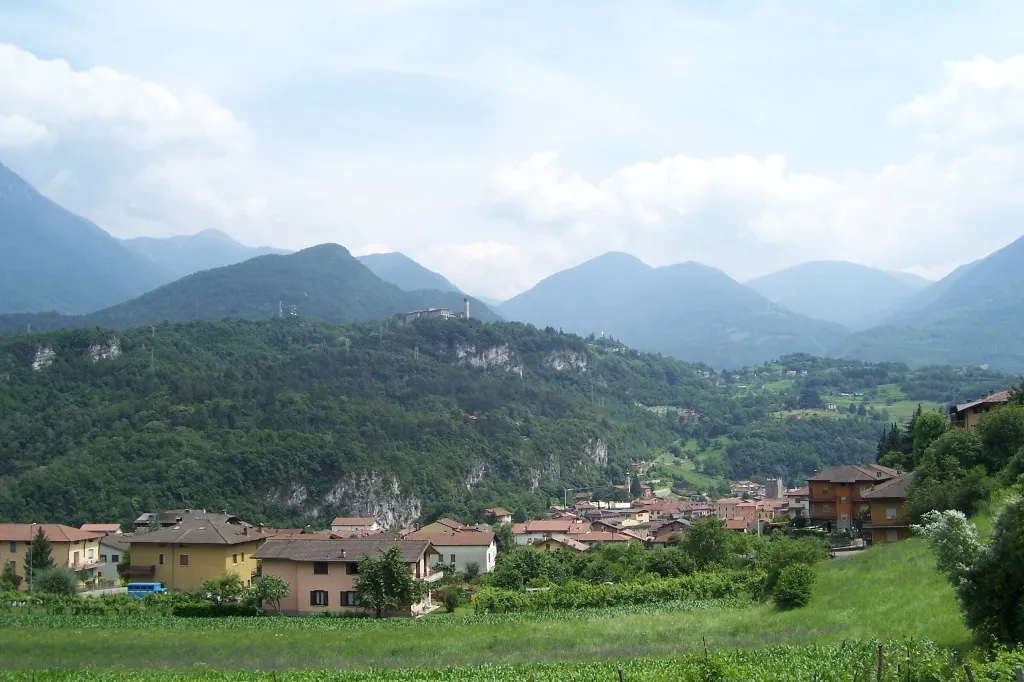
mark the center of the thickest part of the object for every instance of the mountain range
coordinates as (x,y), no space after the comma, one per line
(687,310)
(61,271)
(852,295)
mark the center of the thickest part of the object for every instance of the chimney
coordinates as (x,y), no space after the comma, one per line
(465,306)
(246,531)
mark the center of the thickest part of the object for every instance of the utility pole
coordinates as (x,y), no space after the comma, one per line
(197,310)
(31,537)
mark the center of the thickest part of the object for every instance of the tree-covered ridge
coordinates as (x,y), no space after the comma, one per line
(290,420)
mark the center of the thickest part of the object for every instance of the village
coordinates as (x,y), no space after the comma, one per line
(180,550)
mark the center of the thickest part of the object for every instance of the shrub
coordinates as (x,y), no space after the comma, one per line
(58,581)
(206,609)
(472,571)
(451,597)
(793,588)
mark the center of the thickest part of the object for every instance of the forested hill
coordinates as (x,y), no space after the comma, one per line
(323,282)
(288,421)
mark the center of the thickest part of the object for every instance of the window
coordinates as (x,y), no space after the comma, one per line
(826,508)
(349,599)
(14,565)
(318,598)
(234,559)
(843,498)
(90,553)
(352,569)
(183,559)
(243,557)
(161,560)
(452,560)
(320,568)
(890,513)
(75,559)
(103,558)
(824,491)
(115,558)
(891,536)
(13,547)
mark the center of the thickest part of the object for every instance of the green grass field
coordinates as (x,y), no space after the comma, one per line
(888,592)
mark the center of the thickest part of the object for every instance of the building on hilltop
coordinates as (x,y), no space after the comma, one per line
(967,415)
(889,519)
(836,495)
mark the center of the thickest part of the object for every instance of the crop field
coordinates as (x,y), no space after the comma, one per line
(889,592)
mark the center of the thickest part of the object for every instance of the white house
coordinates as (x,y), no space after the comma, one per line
(462,548)
(354,524)
(112,550)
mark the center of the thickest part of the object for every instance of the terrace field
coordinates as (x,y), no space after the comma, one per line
(889,592)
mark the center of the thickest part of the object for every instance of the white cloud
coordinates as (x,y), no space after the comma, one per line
(142,112)
(19,132)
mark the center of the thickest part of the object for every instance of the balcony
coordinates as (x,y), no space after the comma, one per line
(84,565)
(139,571)
(434,577)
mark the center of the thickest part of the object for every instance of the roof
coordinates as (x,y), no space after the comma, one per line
(469,538)
(54,532)
(120,542)
(736,524)
(171,516)
(549,526)
(994,399)
(101,527)
(498,511)
(354,521)
(852,473)
(601,536)
(568,542)
(893,489)
(451,523)
(351,550)
(798,492)
(200,532)
(728,500)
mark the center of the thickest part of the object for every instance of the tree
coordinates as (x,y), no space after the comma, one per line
(40,555)
(9,580)
(386,584)
(505,537)
(927,428)
(451,597)
(708,541)
(1017,393)
(809,399)
(1002,433)
(953,539)
(634,485)
(948,476)
(992,590)
(794,586)
(271,589)
(224,588)
(472,571)
(56,580)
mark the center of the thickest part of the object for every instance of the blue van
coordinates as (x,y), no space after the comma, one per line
(140,590)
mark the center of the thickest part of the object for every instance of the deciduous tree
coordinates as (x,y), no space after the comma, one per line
(385,583)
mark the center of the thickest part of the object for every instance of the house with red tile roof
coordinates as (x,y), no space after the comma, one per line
(77,549)
(462,548)
(561,543)
(530,532)
(967,415)
(105,528)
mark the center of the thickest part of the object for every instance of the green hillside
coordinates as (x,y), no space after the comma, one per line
(322,282)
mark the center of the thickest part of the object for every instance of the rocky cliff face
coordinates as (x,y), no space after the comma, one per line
(369,494)
(497,357)
(567,361)
(44,358)
(108,351)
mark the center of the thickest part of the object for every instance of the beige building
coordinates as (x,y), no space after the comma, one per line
(184,556)
(71,547)
(322,574)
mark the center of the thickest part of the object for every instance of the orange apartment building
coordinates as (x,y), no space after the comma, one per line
(322,574)
(967,415)
(889,519)
(836,496)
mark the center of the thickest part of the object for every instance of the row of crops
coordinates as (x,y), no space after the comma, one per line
(903,661)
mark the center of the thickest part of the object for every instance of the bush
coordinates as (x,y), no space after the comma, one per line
(206,609)
(793,588)
(59,581)
(451,597)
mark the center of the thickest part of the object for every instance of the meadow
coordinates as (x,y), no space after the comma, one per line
(889,592)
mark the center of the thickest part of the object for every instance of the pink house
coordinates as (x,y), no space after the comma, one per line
(322,574)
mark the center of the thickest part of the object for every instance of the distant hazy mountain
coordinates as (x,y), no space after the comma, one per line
(491,303)
(55,260)
(974,315)
(852,295)
(183,255)
(322,282)
(689,311)
(405,273)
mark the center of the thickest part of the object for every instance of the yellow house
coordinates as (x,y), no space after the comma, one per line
(889,520)
(185,555)
(77,549)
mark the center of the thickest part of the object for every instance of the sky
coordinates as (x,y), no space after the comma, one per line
(499,142)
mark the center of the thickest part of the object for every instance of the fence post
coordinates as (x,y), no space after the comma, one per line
(1020,673)
(621,675)
(879,662)
(970,675)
